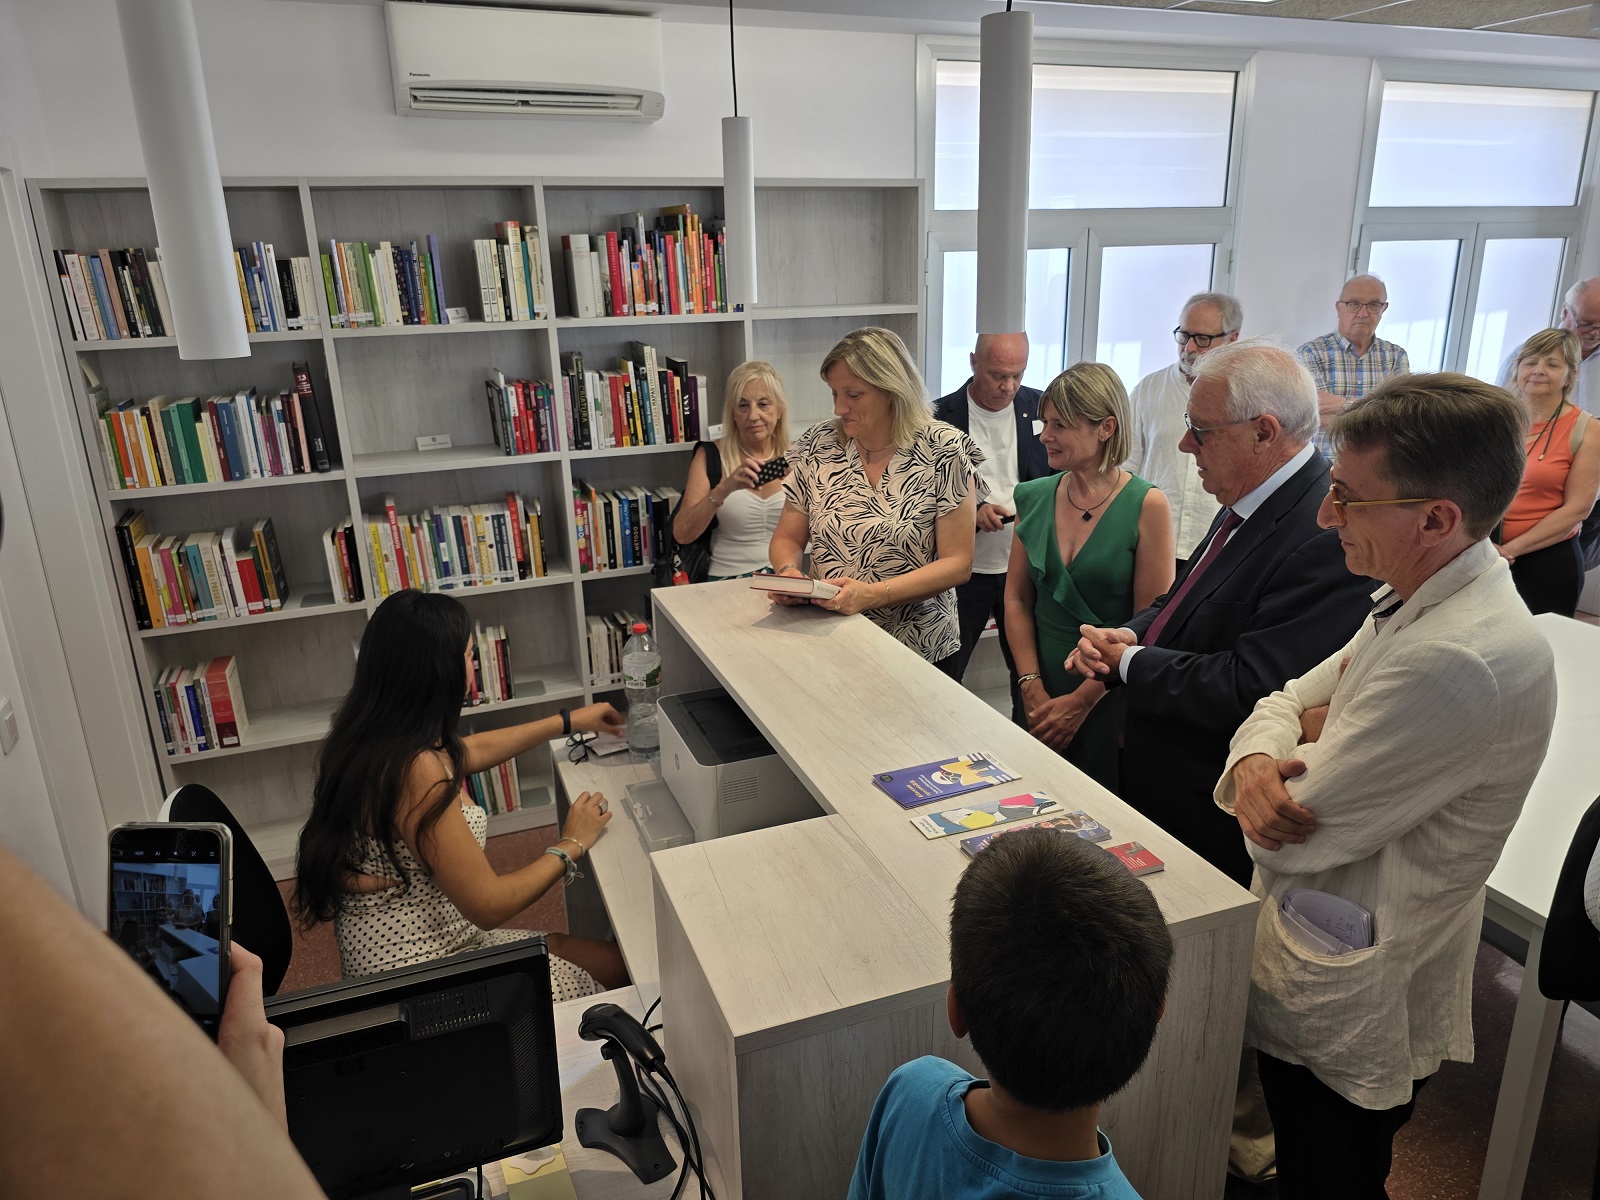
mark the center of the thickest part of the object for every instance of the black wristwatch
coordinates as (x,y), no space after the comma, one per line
(566,722)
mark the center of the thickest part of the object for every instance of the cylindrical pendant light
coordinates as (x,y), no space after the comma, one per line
(1005,125)
(739,209)
(162,47)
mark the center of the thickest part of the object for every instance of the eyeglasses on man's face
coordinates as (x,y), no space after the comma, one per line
(1339,503)
(1201,432)
(1201,340)
(1372,306)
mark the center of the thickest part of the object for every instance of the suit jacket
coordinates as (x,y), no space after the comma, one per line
(1032,461)
(1277,601)
(1569,964)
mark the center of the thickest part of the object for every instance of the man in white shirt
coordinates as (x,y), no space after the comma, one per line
(1208,320)
(1580,313)
(1002,417)
(1389,776)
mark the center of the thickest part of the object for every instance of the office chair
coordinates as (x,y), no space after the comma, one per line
(1569,962)
(260,920)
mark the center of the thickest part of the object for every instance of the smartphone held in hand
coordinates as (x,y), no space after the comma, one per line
(170,906)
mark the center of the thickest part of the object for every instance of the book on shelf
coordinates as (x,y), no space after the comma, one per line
(511,273)
(677,267)
(455,546)
(277,293)
(384,283)
(607,634)
(343,555)
(496,790)
(521,414)
(201,708)
(1072,824)
(622,527)
(171,440)
(187,579)
(649,399)
(490,679)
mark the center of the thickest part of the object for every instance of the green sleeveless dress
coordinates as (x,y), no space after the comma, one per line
(1095,589)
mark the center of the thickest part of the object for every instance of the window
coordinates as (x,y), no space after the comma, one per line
(1103,137)
(1472,215)
(1449,145)
(1130,196)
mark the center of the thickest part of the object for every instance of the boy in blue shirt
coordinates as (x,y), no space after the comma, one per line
(1058,972)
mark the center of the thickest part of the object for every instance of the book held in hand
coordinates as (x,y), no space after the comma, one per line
(1137,859)
(1074,824)
(942,779)
(790,585)
(985,814)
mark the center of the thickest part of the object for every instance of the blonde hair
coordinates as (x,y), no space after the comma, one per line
(746,373)
(1542,343)
(878,357)
(1087,393)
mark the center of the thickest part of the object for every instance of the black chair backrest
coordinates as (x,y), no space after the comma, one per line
(260,920)
(1569,961)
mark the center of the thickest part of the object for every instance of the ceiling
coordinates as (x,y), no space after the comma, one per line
(1559,18)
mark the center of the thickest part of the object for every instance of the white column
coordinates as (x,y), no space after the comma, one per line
(1005,123)
(739,209)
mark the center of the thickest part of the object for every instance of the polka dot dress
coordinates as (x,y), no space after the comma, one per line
(400,927)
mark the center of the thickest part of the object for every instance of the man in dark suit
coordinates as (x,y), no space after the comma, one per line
(1264,598)
(998,413)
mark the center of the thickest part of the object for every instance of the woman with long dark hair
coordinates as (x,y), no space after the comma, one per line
(393,851)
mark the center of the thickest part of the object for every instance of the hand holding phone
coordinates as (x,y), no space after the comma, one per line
(773,468)
(170,906)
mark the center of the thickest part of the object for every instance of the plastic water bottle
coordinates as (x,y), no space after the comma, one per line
(641,679)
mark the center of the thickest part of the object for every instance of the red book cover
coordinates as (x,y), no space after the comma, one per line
(513,801)
(530,436)
(619,419)
(394,531)
(251,583)
(519,522)
(222,701)
(619,294)
(1137,859)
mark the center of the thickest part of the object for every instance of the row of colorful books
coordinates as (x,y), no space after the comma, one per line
(650,399)
(677,267)
(607,633)
(490,680)
(168,440)
(497,790)
(342,550)
(521,414)
(278,294)
(384,284)
(185,579)
(201,707)
(511,274)
(621,528)
(114,294)
(455,546)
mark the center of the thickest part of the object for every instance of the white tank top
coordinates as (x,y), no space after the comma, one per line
(745,525)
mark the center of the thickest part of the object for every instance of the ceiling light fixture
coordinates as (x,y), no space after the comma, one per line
(1005,125)
(738,193)
(180,165)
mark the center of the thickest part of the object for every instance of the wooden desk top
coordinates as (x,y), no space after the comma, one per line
(841,700)
(799,930)
(1524,879)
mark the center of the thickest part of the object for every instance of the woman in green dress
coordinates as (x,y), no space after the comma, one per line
(1094,545)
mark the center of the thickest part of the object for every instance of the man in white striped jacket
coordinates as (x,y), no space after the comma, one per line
(1390,775)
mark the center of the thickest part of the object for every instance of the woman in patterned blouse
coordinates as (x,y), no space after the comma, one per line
(884,496)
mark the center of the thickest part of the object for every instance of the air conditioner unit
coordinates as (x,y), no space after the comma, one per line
(452,60)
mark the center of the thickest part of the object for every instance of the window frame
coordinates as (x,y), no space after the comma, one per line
(1474,225)
(1084,232)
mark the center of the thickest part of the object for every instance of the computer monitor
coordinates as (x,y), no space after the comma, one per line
(413,1074)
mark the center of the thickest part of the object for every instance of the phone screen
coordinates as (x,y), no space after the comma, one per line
(169,906)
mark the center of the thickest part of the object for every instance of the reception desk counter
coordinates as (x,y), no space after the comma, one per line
(799,965)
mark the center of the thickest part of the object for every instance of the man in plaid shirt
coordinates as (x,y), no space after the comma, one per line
(1350,362)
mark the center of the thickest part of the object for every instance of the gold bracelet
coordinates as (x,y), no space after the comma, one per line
(582,849)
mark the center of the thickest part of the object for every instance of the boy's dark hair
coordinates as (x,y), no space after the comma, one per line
(1059,959)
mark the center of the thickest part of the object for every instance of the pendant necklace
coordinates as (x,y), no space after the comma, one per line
(1547,430)
(1088,513)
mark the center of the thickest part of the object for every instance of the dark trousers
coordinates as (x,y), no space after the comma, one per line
(1550,580)
(1328,1148)
(981,597)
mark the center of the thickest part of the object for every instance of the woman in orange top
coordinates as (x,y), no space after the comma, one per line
(1560,482)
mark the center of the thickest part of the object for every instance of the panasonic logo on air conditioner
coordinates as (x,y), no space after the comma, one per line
(495,62)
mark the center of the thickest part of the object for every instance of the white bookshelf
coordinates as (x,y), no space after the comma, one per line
(832,254)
